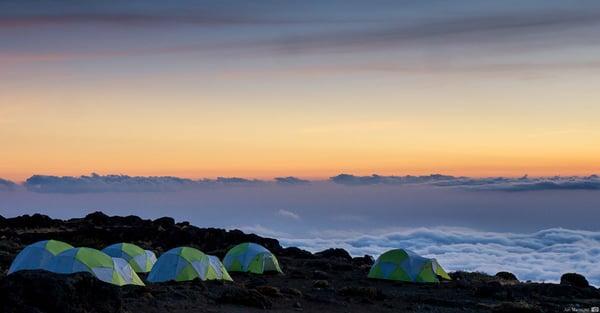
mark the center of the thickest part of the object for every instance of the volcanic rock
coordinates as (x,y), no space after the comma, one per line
(321,283)
(336,254)
(507,276)
(40,291)
(574,279)
(245,297)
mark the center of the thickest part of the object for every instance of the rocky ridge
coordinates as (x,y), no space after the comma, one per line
(327,281)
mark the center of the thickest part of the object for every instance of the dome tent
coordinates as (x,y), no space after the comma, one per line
(251,257)
(37,255)
(405,265)
(93,261)
(137,257)
(185,263)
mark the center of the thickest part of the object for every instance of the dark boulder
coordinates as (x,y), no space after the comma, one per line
(97,218)
(296,253)
(365,260)
(575,280)
(320,284)
(164,222)
(471,277)
(183,224)
(335,254)
(507,276)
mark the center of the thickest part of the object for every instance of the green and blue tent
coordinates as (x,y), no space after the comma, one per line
(251,257)
(140,260)
(185,263)
(96,262)
(405,265)
(37,256)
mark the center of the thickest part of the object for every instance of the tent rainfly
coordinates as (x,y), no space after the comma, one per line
(251,257)
(405,265)
(140,260)
(129,275)
(38,255)
(185,263)
(95,262)
(151,257)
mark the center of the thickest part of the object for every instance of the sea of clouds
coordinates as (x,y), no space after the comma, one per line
(540,256)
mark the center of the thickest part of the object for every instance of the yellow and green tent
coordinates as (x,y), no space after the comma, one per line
(185,263)
(405,265)
(251,257)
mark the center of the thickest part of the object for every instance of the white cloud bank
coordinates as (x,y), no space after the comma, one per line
(541,256)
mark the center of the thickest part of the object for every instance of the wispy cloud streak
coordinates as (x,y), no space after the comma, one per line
(488,27)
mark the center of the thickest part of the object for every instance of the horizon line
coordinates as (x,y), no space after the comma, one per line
(273,178)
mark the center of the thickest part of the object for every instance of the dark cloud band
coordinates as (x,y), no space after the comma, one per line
(125,183)
(524,183)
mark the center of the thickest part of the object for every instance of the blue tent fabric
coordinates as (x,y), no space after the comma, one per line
(167,266)
(33,257)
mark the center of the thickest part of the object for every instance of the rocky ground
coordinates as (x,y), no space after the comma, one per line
(329,281)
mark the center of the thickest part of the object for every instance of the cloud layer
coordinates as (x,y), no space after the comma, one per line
(7,185)
(290,180)
(539,256)
(524,183)
(124,183)
(348,179)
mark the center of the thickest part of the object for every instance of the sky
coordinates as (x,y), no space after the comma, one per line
(311,89)
(316,122)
